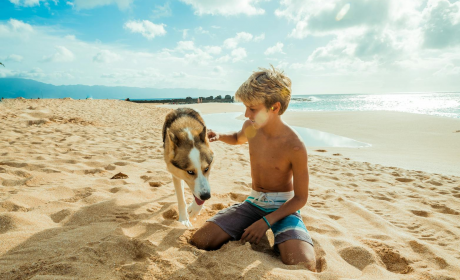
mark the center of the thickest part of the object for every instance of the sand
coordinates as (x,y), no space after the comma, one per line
(62,217)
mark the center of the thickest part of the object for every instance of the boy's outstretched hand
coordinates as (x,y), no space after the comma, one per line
(212,136)
(255,232)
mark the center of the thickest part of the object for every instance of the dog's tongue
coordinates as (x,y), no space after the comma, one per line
(198,201)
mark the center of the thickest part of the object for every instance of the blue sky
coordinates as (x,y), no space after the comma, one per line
(360,46)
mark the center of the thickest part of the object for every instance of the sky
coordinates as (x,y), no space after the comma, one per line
(325,47)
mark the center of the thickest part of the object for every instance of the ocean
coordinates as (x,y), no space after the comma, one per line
(437,104)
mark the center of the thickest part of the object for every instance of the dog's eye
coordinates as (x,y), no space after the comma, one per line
(206,170)
(191,172)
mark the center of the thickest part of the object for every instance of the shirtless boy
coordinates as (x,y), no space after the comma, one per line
(279,176)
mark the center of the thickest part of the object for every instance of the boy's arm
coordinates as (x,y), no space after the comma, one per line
(256,231)
(233,138)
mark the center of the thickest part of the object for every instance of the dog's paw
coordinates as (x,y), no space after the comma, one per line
(186,223)
(194,209)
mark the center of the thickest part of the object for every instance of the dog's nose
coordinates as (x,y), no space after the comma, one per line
(205,196)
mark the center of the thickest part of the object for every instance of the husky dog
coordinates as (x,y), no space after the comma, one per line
(188,158)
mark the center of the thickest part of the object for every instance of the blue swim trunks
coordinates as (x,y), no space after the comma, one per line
(234,219)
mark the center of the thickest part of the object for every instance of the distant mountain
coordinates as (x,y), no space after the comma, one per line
(15,87)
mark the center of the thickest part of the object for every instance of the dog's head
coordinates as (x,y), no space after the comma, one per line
(190,158)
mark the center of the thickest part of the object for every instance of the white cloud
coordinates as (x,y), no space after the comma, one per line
(106,56)
(71,37)
(14,57)
(232,43)
(226,8)
(259,38)
(35,73)
(184,34)
(194,54)
(218,70)
(185,46)
(442,24)
(319,18)
(147,28)
(201,30)
(213,49)
(375,36)
(90,4)
(278,48)
(62,54)
(238,54)
(448,70)
(31,3)
(162,11)
(136,70)
(224,59)
(179,74)
(16,28)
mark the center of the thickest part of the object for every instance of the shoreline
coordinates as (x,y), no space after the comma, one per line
(407,140)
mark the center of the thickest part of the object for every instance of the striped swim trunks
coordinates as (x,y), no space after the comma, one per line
(234,219)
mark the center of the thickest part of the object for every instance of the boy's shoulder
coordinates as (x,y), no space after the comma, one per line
(293,140)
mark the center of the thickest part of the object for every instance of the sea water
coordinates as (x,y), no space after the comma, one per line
(437,104)
(228,122)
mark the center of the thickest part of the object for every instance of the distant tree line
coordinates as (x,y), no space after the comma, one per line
(189,100)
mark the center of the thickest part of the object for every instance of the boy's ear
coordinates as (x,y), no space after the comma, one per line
(276,107)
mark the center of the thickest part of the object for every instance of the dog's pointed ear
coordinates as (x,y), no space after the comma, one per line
(172,138)
(203,134)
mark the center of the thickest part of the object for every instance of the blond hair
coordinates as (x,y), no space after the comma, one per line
(266,86)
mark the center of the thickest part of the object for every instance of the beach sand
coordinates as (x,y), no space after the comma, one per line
(62,217)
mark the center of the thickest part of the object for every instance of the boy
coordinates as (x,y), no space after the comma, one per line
(279,175)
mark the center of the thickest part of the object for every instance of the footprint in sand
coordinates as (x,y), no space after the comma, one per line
(79,194)
(238,196)
(242,183)
(145,178)
(321,151)
(404,180)
(428,254)
(336,154)
(391,257)
(6,224)
(61,215)
(420,213)
(115,190)
(156,184)
(110,167)
(218,206)
(444,209)
(358,257)
(371,179)
(171,214)
(434,182)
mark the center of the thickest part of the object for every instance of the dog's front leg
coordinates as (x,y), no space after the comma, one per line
(194,209)
(182,206)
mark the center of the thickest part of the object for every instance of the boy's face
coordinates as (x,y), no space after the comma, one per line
(258,114)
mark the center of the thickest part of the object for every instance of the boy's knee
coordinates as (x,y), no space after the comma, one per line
(198,241)
(202,242)
(306,259)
